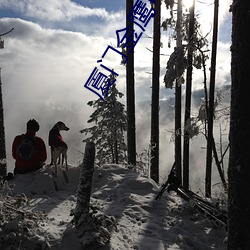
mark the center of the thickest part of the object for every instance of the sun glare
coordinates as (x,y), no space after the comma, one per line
(187,3)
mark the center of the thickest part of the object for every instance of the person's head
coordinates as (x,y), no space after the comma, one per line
(32,125)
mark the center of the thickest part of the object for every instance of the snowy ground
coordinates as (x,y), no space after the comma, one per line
(141,221)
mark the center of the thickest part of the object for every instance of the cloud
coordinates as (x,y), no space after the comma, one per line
(56,10)
(43,74)
(44,69)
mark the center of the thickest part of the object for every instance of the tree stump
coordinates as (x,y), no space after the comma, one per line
(84,187)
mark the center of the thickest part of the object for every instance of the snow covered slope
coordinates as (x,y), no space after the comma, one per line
(141,221)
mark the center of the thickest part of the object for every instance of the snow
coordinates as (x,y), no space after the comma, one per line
(141,221)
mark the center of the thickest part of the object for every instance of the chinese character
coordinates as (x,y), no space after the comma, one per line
(124,57)
(140,15)
(111,71)
(129,38)
(99,83)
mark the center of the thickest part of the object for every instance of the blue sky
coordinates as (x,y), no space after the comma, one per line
(64,14)
(55,46)
(109,5)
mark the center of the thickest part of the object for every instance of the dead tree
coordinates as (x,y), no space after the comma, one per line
(211,103)
(84,186)
(94,231)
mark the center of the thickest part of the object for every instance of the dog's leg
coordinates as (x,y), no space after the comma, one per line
(66,161)
(63,157)
(59,159)
(56,170)
(55,158)
(51,156)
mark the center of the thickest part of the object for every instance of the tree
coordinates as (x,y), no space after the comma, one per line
(91,227)
(110,124)
(154,168)
(130,82)
(176,66)
(3,163)
(83,192)
(178,91)
(239,159)
(188,96)
(210,139)
(187,54)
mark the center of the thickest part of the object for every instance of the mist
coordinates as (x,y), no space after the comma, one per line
(44,69)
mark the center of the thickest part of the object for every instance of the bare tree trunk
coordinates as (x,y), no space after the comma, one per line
(93,231)
(218,164)
(3,161)
(81,215)
(130,82)
(211,102)
(188,98)
(116,152)
(239,159)
(178,160)
(154,168)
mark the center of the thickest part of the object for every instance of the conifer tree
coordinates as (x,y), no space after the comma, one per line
(130,91)
(188,53)
(154,167)
(110,121)
(238,169)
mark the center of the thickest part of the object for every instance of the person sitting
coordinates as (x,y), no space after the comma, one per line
(29,150)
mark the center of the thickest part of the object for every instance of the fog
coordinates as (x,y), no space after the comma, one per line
(44,70)
(198,143)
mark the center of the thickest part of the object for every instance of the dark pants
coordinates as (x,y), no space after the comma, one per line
(25,171)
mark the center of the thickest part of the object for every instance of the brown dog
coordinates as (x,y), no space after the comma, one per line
(58,146)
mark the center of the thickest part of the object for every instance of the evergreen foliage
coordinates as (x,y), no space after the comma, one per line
(110,119)
(177,63)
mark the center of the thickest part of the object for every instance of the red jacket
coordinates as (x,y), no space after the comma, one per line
(55,139)
(37,159)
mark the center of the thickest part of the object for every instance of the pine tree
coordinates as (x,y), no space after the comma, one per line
(188,53)
(178,93)
(238,170)
(130,93)
(110,120)
(154,167)
(191,26)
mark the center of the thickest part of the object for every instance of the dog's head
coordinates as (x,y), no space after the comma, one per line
(61,126)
